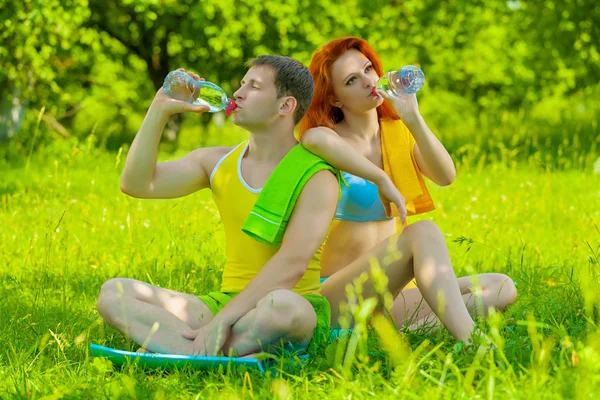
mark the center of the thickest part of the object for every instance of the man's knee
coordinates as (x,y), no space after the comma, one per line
(108,299)
(286,314)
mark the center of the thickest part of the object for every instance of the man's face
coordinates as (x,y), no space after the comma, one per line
(257,103)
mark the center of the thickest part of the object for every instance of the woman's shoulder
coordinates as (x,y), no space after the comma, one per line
(322,129)
(395,131)
(389,120)
(314,134)
(393,124)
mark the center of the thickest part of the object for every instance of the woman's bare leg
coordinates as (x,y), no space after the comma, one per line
(421,252)
(479,293)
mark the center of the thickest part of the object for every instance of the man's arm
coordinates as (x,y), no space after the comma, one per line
(143,177)
(173,178)
(305,232)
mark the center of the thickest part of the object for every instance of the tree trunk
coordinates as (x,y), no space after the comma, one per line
(11,115)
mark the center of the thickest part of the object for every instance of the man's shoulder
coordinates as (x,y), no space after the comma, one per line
(323,184)
(208,157)
(218,151)
(324,176)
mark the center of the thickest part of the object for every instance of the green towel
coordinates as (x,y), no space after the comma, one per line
(271,213)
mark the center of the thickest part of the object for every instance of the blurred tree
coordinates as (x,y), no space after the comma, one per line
(41,43)
(94,65)
(564,43)
(215,39)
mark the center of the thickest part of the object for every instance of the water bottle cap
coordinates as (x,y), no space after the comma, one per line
(230,107)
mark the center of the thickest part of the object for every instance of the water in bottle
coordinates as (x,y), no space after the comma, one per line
(408,80)
(180,86)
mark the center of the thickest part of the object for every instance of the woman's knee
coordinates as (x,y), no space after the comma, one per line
(286,314)
(423,233)
(502,288)
(423,228)
(413,237)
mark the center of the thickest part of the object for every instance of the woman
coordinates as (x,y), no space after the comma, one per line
(344,126)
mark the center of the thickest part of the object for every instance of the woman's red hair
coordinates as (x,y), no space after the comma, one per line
(321,112)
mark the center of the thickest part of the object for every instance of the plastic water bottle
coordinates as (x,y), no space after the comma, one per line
(408,80)
(180,86)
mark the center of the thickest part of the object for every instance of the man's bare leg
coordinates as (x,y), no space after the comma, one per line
(497,291)
(135,307)
(422,254)
(280,317)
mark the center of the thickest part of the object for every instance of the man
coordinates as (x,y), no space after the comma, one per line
(269,295)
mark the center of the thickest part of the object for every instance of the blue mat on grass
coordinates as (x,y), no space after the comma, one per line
(173,361)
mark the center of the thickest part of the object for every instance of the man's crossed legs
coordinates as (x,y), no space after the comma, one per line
(134,307)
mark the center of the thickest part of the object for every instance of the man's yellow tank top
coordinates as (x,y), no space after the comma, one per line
(244,256)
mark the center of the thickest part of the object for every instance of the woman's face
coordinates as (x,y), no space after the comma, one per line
(353,79)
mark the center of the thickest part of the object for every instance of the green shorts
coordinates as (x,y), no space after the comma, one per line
(215,301)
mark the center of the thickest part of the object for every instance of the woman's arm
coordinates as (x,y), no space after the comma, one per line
(432,157)
(326,144)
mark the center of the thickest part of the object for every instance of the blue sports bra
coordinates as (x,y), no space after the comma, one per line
(360,201)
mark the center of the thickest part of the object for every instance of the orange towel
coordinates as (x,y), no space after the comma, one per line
(397,147)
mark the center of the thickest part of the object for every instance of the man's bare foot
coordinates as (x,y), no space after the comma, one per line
(142,350)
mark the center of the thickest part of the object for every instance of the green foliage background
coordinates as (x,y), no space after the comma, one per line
(517,75)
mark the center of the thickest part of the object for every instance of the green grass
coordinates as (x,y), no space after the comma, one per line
(66,228)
